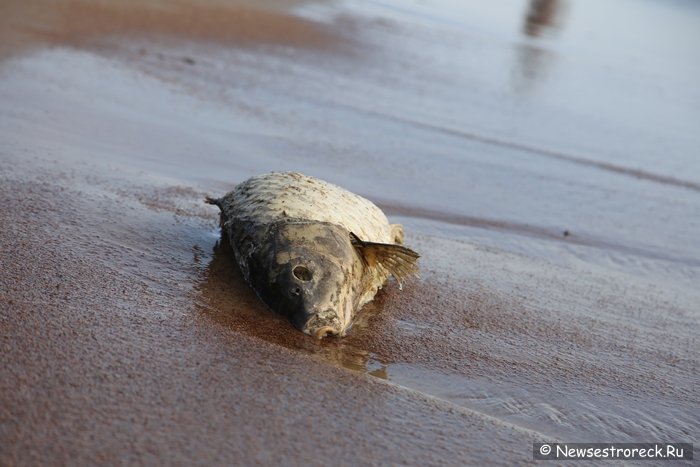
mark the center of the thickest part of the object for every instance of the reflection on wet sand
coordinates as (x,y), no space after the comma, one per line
(542,17)
(530,67)
(226,299)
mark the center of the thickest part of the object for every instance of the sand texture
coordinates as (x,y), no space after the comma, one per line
(543,163)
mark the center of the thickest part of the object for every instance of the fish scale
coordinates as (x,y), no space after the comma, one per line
(312,250)
(268,198)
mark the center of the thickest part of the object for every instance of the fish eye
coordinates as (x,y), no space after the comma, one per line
(296,291)
(302,273)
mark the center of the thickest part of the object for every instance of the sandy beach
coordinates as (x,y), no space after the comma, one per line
(543,161)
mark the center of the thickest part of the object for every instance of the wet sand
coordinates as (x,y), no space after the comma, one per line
(112,355)
(558,292)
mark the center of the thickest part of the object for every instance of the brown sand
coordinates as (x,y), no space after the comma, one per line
(29,24)
(129,337)
(108,358)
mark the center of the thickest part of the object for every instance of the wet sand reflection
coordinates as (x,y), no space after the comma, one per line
(542,18)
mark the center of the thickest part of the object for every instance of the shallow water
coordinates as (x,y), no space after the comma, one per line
(541,155)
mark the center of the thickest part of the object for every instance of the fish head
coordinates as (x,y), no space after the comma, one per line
(310,272)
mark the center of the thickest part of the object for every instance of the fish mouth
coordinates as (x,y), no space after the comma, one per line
(322,325)
(324,331)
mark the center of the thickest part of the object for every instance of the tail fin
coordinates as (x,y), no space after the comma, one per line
(214,201)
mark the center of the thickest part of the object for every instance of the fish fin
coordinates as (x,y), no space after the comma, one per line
(214,201)
(399,261)
(397,233)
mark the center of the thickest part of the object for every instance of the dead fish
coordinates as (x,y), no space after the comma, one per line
(311,250)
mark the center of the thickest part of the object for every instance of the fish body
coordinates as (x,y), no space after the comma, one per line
(311,250)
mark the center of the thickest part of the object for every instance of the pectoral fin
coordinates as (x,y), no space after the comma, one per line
(398,260)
